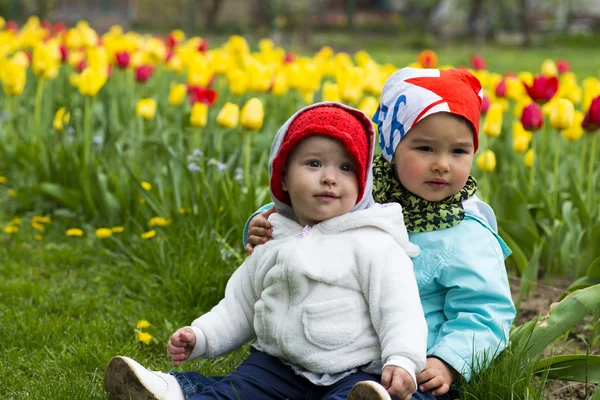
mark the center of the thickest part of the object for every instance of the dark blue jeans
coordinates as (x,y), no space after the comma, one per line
(262,376)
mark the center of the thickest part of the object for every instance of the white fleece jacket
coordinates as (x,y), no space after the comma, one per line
(328,299)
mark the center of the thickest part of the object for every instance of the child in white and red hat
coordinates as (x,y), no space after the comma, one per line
(332,300)
(428,122)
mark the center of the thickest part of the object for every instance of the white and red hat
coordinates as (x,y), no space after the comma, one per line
(411,94)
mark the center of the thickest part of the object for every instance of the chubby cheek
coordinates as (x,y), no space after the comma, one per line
(409,170)
(462,172)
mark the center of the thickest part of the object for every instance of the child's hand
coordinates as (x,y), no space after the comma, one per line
(181,344)
(437,377)
(259,230)
(398,382)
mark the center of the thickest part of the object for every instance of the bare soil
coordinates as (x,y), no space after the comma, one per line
(538,303)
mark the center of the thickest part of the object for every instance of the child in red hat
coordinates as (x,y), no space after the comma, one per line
(332,300)
(428,122)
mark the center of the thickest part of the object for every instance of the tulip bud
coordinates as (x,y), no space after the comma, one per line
(428,59)
(485,105)
(61,118)
(520,144)
(199,115)
(591,121)
(331,92)
(529,158)
(532,117)
(177,94)
(549,68)
(562,115)
(123,59)
(91,81)
(500,90)
(575,131)
(542,89)
(563,66)
(279,87)
(493,120)
(143,73)
(369,105)
(478,63)
(252,114)
(229,115)
(146,108)
(486,161)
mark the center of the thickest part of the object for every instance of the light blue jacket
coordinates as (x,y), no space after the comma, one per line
(464,291)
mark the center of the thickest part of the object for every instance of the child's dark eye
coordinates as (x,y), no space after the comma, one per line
(459,151)
(424,148)
(313,163)
(347,167)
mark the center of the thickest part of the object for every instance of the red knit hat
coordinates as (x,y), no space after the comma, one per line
(326,120)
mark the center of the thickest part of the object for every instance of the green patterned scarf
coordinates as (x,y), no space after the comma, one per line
(420,215)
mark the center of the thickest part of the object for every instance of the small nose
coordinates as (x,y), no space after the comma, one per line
(329,176)
(441,164)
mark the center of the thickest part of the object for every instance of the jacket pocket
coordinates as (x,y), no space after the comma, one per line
(333,324)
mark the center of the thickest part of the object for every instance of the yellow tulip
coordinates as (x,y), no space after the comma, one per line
(238,82)
(362,58)
(2,23)
(563,114)
(308,97)
(529,158)
(575,131)
(252,114)
(549,68)
(61,118)
(331,92)
(177,94)
(369,105)
(44,63)
(526,77)
(520,143)
(229,116)
(493,120)
(13,78)
(518,130)
(486,161)
(199,115)
(91,81)
(146,108)
(103,233)
(280,86)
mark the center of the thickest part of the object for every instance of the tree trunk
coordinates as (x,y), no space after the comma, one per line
(525,31)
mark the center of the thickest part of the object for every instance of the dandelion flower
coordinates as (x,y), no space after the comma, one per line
(74,232)
(146,185)
(38,227)
(16,221)
(3,179)
(103,233)
(12,192)
(11,229)
(144,337)
(38,237)
(41,220)
(142,323)
(117,229)
(159,221)
(149,234)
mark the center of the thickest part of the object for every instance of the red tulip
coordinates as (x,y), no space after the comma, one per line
(591,121)
(123,59)
(46,24)
(563,66)
(543,88)
(171,40)
(12,26)
(169,55)
(289,58)
(82,65)
(143,73)
(485,104)
(198,94)
(477,62)
(532,117)
(203,46)
(510,74)
(64,53)
(501,88)
(59,27)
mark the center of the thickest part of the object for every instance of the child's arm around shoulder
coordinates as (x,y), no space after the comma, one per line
(478,304)
(389,285)
(230,323)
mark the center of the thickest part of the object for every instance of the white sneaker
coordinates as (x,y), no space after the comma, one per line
(125,379)
(368,390)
